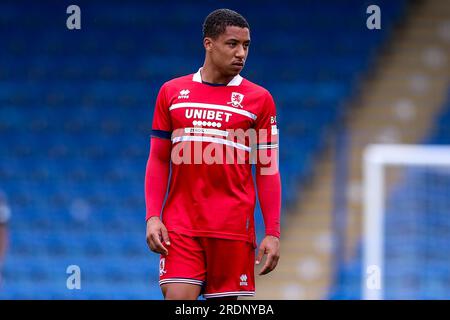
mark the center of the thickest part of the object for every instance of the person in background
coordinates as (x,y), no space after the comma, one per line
(5,214)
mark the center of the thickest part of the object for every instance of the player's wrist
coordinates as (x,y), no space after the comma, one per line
(273,234)
(153,218)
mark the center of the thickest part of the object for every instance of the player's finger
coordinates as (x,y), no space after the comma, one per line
(274,263)
(165,236)
(150,242)
(159,247)
(260,255)
(266,268)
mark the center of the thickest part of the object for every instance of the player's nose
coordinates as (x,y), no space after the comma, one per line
(240,52)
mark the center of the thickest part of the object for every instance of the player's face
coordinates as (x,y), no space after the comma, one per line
(229,51)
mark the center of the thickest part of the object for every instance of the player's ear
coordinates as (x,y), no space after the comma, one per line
(207,43)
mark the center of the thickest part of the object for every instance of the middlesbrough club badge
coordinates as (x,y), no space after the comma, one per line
(236,99)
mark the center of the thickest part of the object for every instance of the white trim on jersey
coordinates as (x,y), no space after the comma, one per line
(206,131)
(181,280)
(236,81)
(267,146)
(228,294)
(212,106)
(212,139)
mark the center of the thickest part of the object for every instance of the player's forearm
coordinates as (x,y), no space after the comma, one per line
(157,176)
(269,194)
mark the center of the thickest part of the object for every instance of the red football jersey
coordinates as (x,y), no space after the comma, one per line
(214,129)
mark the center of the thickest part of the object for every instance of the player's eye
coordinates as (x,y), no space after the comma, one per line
(232,44)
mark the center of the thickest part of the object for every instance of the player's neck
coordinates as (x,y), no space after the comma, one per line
(211,75)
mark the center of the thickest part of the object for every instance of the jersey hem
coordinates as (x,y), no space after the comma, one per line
(229,294)
(213,234)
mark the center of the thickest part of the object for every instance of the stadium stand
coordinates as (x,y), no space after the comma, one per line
(408,102)
(417,265)
(76,110)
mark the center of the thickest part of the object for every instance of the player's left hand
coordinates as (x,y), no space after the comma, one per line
(270,246)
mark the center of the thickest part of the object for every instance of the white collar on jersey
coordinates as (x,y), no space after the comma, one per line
(234,82)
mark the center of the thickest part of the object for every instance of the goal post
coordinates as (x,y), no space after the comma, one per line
(376,159)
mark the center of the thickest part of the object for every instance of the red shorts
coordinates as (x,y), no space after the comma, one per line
(222,267)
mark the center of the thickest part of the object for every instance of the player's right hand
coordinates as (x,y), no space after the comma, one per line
(157,234)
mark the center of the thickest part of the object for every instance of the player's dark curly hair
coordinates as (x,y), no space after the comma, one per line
(217,21)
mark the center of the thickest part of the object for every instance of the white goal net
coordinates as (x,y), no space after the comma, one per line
(406,231)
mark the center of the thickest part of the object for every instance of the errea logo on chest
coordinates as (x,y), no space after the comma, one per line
(184,94)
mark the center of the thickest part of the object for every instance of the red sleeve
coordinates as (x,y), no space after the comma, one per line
(158,164)
(268,180)
(157,176)
(269,195)
(161,115)
(266,124)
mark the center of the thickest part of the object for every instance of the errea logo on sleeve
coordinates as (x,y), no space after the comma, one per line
(184,94)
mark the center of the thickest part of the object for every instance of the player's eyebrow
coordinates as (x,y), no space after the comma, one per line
(237,40)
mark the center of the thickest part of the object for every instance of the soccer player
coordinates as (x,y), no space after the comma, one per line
(206,238)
